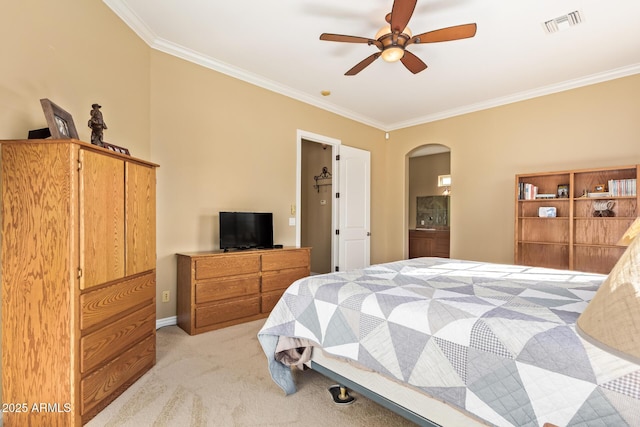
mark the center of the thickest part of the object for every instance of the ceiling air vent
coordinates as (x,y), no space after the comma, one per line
(563,22)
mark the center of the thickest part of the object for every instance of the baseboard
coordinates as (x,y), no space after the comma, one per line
(167,321)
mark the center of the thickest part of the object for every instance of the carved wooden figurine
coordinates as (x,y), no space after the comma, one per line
(97,125)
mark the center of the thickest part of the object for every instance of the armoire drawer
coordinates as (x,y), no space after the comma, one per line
(104,344)
(108,302)
(105,384)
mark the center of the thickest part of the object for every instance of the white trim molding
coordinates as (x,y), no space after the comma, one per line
(167,321)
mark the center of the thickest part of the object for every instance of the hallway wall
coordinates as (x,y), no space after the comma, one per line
(316,205)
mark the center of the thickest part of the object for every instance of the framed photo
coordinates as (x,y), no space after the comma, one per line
(563,191)
(599,188)
(117,149)
(59,121)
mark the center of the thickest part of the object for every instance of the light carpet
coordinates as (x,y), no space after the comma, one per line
(220,378)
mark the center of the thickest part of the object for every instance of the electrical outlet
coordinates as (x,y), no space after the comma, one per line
(166,296)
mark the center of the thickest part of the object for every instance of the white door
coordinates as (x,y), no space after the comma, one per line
(354,203)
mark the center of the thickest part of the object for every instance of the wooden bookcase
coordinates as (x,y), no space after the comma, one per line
(574,239)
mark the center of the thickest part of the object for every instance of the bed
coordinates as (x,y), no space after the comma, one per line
(456,342)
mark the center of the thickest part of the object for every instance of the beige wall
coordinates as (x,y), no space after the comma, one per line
(423,179)
(591,126)
(225,144)
(74,52)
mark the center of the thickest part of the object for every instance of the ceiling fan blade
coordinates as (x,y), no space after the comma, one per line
(346,39)
(401,14)
(412,62)
(445,34)
(362,64)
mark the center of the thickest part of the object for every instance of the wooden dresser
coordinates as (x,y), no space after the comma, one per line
(78,279)
(219,289)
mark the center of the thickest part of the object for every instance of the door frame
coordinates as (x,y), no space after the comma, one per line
(424,149)
(335,144)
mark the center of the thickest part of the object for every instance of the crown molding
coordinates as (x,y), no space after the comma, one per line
(124,12)
(522,96)
(130,18)
(252,78)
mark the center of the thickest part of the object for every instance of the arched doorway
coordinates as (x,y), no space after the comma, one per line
(429,196)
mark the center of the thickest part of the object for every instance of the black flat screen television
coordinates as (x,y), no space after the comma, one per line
(246,230)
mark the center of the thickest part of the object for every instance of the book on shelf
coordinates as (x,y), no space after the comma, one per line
(600,194)
(527,191)
(622,187)
(545,196)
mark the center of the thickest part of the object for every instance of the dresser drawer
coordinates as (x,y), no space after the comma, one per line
(270,299)
(109,302)
(282,279)
(104,344)
(285,259)
(219,289)
(103,385)
(226,265)
(218,312)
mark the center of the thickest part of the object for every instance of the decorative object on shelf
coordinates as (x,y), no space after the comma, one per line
(547,212)
(43,133)
(59,121)
(600,194)
(603,208)
(115,148)
(97,125)
(563,191)
(323,179)
(599,188)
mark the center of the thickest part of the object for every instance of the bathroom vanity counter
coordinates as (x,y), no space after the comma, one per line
(432,241)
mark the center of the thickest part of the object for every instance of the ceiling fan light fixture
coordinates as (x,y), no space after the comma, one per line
(387,30)
(382,32)
(392,54)
(392,39)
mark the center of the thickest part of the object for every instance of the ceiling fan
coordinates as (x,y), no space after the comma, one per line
(394,38)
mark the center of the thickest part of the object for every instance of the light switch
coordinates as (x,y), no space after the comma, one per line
(292,221)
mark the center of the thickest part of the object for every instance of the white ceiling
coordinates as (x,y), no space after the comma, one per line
(275,45)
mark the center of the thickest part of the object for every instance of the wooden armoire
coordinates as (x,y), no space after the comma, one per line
(78,279)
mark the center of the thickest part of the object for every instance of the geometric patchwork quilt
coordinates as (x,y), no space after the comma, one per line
(497,341)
